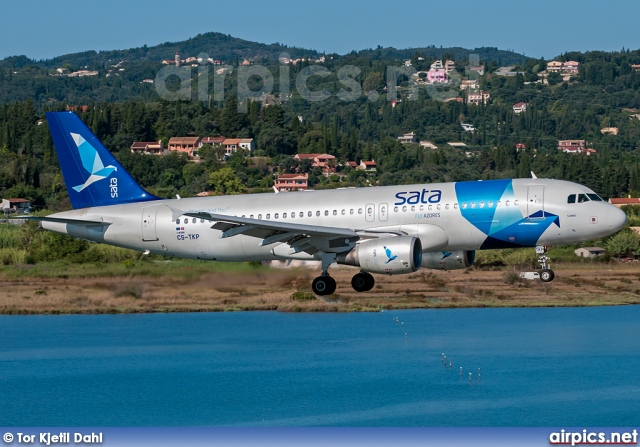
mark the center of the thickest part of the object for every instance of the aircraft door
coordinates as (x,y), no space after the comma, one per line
(149,217)
(383,209)
(535,202)
(370,212)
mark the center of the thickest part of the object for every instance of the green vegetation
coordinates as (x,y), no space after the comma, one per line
(120,110)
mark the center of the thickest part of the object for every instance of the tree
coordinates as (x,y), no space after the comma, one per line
(554,78)
(625,243)
(226,182)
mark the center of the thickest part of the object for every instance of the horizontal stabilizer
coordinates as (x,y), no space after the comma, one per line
(86,223)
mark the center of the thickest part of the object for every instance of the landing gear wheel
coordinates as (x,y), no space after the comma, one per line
(323,285)
(362,282)
(547,275)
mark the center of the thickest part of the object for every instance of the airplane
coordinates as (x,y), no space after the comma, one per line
(383,230)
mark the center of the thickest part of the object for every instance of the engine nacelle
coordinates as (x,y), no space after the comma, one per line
(393,255)
(448,260)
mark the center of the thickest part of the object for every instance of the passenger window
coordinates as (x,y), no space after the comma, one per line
(473,204)
(413,208)
(317,213)
(582,198)
(455,206)
(438,206)
(464,205)
(506,203)
(275,216)
(326,212)
(369,210)
(251,217)
(193,220)
(178,221)
(293,215)
(481,204)
(202,220)
(301,215)
(430,207)
(351,211)
(310,214)
(284,215)
(446,207)
(343,212)
(259,216)
(490,204)
(421,207)
(186,221)
(268,216)
(359,210)
(395,209)
(335,212)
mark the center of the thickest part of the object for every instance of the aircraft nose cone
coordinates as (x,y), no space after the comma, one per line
(617,219)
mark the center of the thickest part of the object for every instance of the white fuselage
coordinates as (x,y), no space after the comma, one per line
(445,216)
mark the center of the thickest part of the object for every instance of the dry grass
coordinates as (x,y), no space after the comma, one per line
(273,289)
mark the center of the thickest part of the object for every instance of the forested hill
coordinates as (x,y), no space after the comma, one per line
(217,45)
(120,72)
(488,54)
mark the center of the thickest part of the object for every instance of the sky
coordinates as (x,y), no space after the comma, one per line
(42,29)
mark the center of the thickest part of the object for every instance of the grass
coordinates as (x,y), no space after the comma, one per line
(170,285)
(184,270)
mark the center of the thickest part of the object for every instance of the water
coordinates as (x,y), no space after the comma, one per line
(539,367)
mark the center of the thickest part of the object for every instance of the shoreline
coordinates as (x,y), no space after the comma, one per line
(260,289)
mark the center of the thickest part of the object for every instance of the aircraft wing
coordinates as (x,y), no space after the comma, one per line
(301,237)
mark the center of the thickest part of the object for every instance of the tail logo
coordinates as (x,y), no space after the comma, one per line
(91,162)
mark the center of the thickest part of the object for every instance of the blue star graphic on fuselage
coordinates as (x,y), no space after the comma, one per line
(389,255)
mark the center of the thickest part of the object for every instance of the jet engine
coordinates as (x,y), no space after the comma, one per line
(393,255)
(448,260)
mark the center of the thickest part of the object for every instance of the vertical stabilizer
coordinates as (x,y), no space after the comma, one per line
(92,175)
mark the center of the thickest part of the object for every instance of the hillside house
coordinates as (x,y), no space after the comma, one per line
(368,166)
(479,97)
(520,107)
(571,67)
(147,147)
(408,138)
(325,162)
(185,145)
(554,67)
(292,182)
(18,205)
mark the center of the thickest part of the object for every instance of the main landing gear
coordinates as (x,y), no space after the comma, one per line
(326,285)
(546,274)
(362,282)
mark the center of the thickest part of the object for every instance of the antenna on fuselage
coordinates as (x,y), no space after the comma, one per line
(533,175)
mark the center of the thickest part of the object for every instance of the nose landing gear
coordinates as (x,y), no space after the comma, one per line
(546,274)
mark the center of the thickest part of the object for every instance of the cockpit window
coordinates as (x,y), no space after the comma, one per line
(571,198)
(582,198)
(595,197)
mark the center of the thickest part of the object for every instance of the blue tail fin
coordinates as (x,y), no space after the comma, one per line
(92,175)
